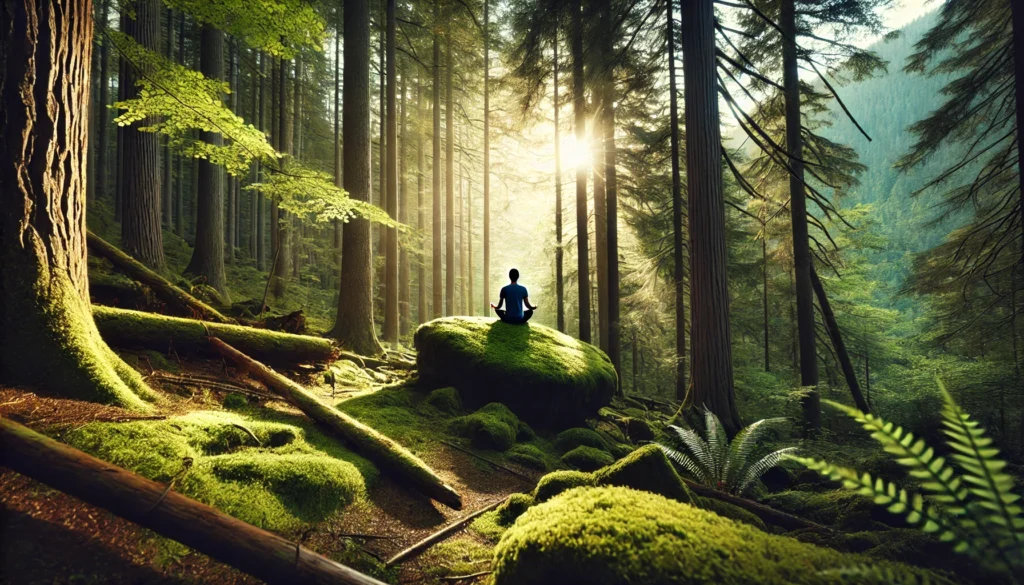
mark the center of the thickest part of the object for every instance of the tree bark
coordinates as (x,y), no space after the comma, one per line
(580,114)
(711,367)
(600,210)
(384,452)
(261,204)
(179,193)
(559,244)
(764,295)
(279,221)
(678,235)
(611,187)
(48,338)
(140,168)
(449,184)
(436,259)
(838,344)
(421,282)
(798,216)
(391,253)
(166,187)
(354,327)
(404,276)
(257,552)
(103,123)
(231,179)
(487,158)
(338,224)
(208,256)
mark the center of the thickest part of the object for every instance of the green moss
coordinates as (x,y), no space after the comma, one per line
(266,473)
(557,482)
(234,400)
(348,374)
(513,507)
(646,469)
(445,400)
(616,535)
(569,439)
(488,526)
(547,378)
(492,427)
(459,556)
(525,432)
(527,455)
(840,509)
(638,429)
(732,512)
(587,458)
(396,413)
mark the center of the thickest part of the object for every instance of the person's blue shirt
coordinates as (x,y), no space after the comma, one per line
(514,295)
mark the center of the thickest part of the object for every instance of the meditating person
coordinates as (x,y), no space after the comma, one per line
(514,296)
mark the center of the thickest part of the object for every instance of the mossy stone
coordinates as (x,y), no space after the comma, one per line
(547,378)
(527,455)
(732,512)
(569,439)
(587,458)
(615,535)
(638,429)
(842,509)
(560,481)
(445,400)
(492,427)
(513,507)
(234,401)
(646,469)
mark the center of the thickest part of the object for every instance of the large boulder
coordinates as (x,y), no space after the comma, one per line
(621,536)
(547,378)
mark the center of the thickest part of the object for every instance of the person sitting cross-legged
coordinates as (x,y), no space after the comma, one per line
(514,296)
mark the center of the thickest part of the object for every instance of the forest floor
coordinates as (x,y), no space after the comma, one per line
(52,538)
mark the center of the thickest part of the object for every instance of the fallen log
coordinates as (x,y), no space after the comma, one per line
(154,506)
(418,548)
(766,513)
(391,457)
(160,286)
(837,343)
(135,330)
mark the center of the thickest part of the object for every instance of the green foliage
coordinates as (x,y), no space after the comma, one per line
(973,508)
(492,427)
(234,401)
(445,400)
(615,535)
(279,27)
(719,463)
(587,458)
(312,194)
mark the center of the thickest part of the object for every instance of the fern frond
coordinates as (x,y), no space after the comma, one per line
(687,462)
(882,575)
(718,443)
(742,448)
(758,469)
(692,442)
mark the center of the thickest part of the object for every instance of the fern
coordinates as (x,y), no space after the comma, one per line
(970,506)
(722,464)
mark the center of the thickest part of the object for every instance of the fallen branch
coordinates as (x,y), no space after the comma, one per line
(766,513)
(421,546)
(149,504)
(160,286)
(454,578)
(384,452)
(837,343)
(202,381)
(135,329)
(487,460)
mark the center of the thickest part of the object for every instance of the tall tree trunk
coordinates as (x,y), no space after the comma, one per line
(382,177)
(140,170)
(711,368)
(582,232)
(421,282)
(179,191)
(391,252)
(798,214)
(764,294)
(600,213)
(121,96)
(449,185)
(837,343)
(487,158)
(559,244)
(279,221)
(436,262)
(261,204)
(208,256)
(404,285)
(295,232)
(470,309)
(231,179)
(47,336)
(103,123)
(166,191)
(611,188)
(354,327)
(678,237)
(338,224)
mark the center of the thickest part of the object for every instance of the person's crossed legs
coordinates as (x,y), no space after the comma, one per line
(503,315)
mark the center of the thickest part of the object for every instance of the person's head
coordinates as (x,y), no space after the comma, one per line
(513,275)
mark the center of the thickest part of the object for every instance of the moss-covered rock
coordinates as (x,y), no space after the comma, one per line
(492,427)
(587,458)
(547,378)
(841,509)
(527,455)
(613,535)
(445,400)
(646,469)
(638,429)
(732,512)
(560,481)
(525,432)
(513,508)
(569,439)
(234,400)
(266,473)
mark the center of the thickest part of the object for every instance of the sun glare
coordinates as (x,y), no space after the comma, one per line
(576,153)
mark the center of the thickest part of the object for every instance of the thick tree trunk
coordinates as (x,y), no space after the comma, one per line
(449,184)
(279,221)
(136,329)
(611,187)
(103,121)
(231,179)
(764,295)
(164,289)
(678,236)
(295,231)
(460,223)
(470,308)
(798,216)
(711,368)
(384,452)
(559,244)
(837,343)
(166,188)
(179,193)
(140,168)
(338,179)
(354,327)
(261,204)
(208,256)
(421,282)
(257,552)
(436,259)
(404,276)
(600,214)
(47,336)
(382,167)
(391,239)
(579,102)
(487,158)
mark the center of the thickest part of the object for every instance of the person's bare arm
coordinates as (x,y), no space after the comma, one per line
(526,301)
(501,301)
